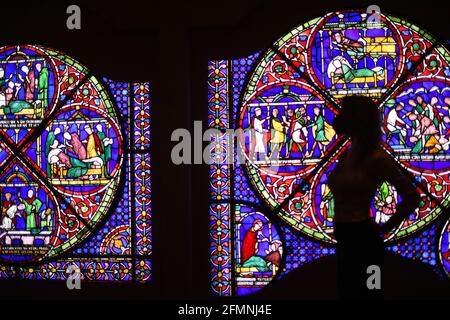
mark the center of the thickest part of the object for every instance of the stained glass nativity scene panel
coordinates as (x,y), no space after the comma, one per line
(67,180)
(285,99)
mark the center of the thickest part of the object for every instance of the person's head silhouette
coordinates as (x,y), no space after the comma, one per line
(359,119)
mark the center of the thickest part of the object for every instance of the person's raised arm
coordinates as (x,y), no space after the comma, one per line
(386,169)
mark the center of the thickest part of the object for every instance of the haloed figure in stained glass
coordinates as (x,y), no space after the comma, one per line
(354,182)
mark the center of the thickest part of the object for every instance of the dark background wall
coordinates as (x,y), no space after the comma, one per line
(169,43)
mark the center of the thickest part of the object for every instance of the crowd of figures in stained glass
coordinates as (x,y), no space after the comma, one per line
(285,99)
(75,170)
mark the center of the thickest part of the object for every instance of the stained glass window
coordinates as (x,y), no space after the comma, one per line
(75,170)
(274,212)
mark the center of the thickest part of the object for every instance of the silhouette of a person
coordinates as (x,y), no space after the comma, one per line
(353,182)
